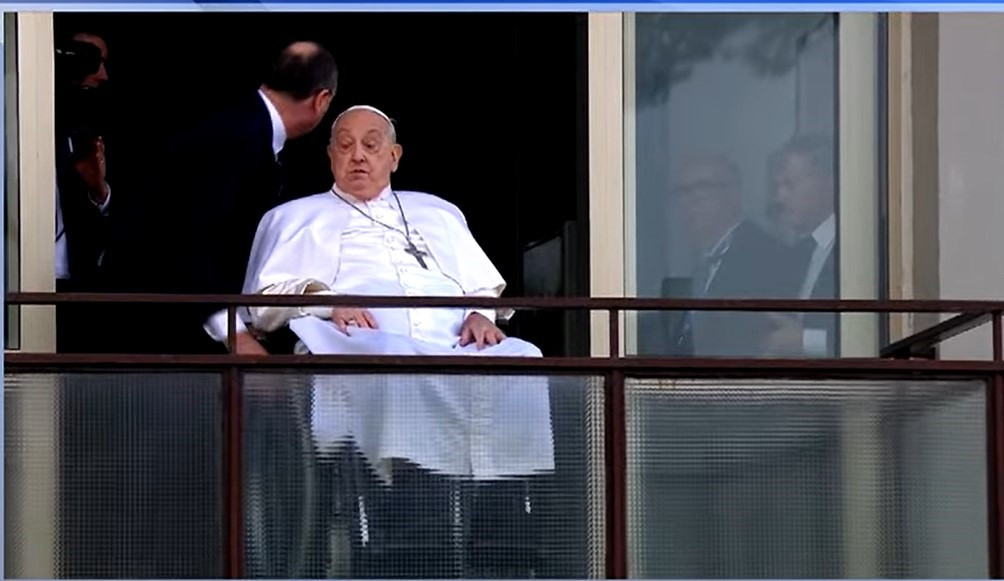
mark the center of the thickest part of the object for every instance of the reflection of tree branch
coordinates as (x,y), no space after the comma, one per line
(669,46)
(779,41)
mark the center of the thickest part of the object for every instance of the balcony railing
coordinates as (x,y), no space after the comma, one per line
(910,358)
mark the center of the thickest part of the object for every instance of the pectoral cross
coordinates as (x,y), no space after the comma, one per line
(418,254)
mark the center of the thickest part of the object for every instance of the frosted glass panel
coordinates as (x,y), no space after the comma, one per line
(113,475)
(749,479)
(368,484)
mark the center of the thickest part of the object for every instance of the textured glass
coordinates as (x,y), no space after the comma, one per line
(113,475)
(752,479)
(732,156)
(318,505)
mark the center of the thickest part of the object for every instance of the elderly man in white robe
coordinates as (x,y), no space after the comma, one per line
(431,441)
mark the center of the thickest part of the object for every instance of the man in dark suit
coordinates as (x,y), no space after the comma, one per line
(804,198)
(83,196)
(187,227)
(192,231)
(735,258)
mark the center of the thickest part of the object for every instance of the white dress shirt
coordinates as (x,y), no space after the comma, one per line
(814,340)
(825,234)
(216,325)
(715,255)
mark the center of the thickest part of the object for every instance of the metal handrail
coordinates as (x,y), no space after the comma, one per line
(577,303)
(970,314)
(631,366)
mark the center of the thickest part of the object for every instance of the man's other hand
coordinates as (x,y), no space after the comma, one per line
(478,329)
(248,345)
(345,318)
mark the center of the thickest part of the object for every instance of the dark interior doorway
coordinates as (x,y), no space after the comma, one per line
(490,109)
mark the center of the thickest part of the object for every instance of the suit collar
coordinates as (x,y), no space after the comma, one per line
(278,128)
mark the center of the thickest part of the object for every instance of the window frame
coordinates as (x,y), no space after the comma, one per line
(861,118)
(863,223)
(36,177)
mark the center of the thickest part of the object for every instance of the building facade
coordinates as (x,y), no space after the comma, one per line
(771,477)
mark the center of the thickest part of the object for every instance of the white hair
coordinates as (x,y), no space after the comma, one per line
(390,122)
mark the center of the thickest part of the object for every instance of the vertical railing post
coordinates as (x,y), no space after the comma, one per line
(234,454)
(616,460)
(995,452)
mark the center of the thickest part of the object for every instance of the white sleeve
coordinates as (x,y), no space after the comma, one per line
(489,314)
(216,326)
(281,264)
(270,318)
(492,315)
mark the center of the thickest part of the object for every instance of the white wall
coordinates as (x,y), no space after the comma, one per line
(971,265)
(971,152)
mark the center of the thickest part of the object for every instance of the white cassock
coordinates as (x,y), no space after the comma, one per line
(482,426)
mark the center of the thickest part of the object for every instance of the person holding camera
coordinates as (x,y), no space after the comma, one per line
(83,196)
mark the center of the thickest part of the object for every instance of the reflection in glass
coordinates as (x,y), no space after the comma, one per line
(735,190)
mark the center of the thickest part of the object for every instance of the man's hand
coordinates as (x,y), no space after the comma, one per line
(92,169)
(786,337)
(348,317)
(477,328)
(248,345)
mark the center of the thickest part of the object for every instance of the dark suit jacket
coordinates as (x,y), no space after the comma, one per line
(86,228)
(755,266)
(80,117)
(192,223)
(85,232)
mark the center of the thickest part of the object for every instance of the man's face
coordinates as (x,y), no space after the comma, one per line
(708,200)
(802,194)
(100,76)
(362,154)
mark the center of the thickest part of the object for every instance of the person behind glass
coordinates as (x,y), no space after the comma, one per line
(804,200)
(192,232)
(734,258)
(83,196)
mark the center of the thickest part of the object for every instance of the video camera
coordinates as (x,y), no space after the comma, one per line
(75,60)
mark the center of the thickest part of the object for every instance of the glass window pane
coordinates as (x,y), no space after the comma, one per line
(732,145)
